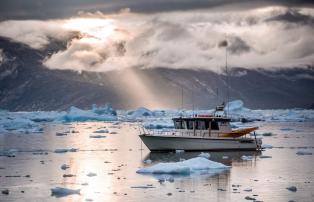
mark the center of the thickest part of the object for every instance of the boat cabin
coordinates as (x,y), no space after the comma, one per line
(211,124)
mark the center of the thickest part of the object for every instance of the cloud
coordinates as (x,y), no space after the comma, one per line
(172,39)
(294,16)
(34,33)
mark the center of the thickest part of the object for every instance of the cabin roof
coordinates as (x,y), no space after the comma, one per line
(207,118)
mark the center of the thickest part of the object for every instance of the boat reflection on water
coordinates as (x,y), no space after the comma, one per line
(226,157)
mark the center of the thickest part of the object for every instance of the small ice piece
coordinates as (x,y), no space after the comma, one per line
(65,166)
(204,155)
(267,146)
(5,192)
(147,161)
(183,167)
(66,150)
(102,131)
(61,192)
(8,153)
(246,158)
(97,136)
(142,187)
(91,174)
(267,134)
(247,189)
(304,152)
(292,188)
(170,179)
(265,157)
(179,151)
(286,129)
(61,134)
(250,198)
(225,157)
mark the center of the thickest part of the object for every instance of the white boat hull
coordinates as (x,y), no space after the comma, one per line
(168,143)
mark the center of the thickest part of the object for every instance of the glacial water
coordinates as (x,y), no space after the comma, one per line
(104,168)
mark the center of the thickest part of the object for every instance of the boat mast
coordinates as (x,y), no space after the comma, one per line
(227,76)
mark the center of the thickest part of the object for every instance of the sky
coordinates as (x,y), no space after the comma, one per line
(111,35)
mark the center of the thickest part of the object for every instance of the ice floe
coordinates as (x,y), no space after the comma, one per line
(246,158)
(183,167)
(91,174)
(61,192)
(304,152)
(204,155)
(65,150)
(97,136)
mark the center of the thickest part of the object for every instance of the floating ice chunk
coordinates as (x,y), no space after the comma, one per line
(286,129)
(204,155)
(304,152)
(66,150)
(292,188)
(225,157)
(148,161)
(61,134)
(183,167)
(267,146)
(91,174)
(102,131)
(65,166)
(265,157)
(247,158)
(250,198)
(61,192)
(143,187)
(267,134)
(9,152)
(179,151)
(97,136)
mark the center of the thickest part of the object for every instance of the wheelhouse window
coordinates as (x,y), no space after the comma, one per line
(178,124)
(214,125)
(189,125)
(201,125)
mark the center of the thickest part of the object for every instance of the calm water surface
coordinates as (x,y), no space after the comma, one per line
(116,158)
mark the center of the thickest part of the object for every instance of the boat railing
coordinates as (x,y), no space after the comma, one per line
(183,133)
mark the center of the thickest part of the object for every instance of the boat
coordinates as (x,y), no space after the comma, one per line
(202,133)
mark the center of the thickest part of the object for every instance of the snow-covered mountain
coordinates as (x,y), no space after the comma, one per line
(26,85)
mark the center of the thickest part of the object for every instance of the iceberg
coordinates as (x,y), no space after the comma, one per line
(183,167)
(79,115)
(139,113)
(236,105)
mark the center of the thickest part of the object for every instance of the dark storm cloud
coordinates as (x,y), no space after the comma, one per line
(238,46)
(294,16)
(44,9)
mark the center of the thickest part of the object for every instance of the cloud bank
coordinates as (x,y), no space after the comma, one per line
(271,37)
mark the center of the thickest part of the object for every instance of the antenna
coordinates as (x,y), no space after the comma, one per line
(181,97)
(227,77)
